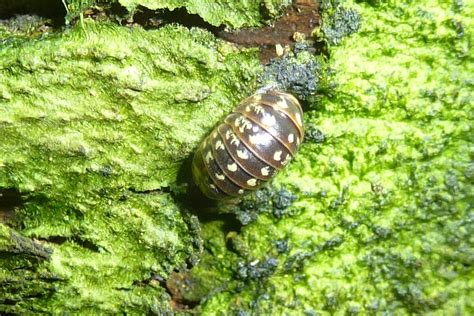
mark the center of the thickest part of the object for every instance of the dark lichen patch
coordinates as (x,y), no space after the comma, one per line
(266,200)
(340,24)
(300,73)
(256,269)
(314,135)
(282,245)
(296,262)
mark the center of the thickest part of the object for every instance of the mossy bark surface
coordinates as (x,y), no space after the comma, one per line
(98,123)
(231,13)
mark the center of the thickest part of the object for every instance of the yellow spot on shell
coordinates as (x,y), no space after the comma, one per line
(298,119)
(282,104)
(277,155)
(242,154)
(234,141)
(259,109)
(220,145)
(252,182)
(209,156)
(287,160)
(261,139)
(244,124)
(269,120)
(291,138)
(232,167)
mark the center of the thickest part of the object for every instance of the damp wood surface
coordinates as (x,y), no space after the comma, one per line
(298,22)
(300,18)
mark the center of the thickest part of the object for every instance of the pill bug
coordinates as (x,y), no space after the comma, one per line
(250,146)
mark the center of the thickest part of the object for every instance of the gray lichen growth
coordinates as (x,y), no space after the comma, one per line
(299,73)
(266,200)
(340,23)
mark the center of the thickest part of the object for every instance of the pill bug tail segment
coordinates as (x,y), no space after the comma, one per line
(250,146)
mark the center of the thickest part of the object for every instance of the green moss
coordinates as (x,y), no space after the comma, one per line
(235,14)
(383,218)
(95,124)
(76,8)
(230,13)
(130,98)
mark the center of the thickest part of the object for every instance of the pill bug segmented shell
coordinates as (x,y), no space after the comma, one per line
(250,146)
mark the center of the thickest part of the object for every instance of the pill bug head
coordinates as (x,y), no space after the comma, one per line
(254,142)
